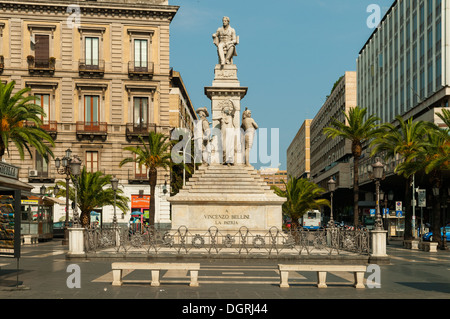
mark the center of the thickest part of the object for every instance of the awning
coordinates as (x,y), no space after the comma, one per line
(11,183)
(54,200)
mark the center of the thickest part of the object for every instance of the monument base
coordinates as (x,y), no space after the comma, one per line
(226,198)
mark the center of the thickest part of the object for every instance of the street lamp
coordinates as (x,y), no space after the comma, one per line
(115,185)
(331,188)
(62,167)
(378,170)
(75,169)
(42,190)
(55,190)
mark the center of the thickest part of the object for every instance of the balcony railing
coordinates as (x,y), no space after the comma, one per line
(39,66)
(92,129)
(51,127)
(137,68)
(91,67)
(143,129)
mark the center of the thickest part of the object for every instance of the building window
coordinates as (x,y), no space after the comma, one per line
(91,161)
(141,54)
(41,165)
(44,101)
(91,51)
(140,109)
(41,50)
(91,110)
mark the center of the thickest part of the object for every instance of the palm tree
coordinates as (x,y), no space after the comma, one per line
(358,130)
(405,140)
(302,195)
(15,111)
(153,154)
(92,193)
(434,159)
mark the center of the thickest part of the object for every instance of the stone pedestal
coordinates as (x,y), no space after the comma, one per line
(227,198)
(76,242)
(378,254)
(225,91)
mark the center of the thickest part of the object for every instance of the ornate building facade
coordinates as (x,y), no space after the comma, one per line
(101,71)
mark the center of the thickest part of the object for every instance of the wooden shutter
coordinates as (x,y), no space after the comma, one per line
(42,50)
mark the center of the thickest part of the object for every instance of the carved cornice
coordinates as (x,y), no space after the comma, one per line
(225,91)
(108,10)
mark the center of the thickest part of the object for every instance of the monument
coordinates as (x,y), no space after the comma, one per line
(226,192)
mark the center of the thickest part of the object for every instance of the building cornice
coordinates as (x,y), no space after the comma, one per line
(116,10)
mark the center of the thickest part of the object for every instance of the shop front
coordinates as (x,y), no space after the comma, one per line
(140,208)
(11,192)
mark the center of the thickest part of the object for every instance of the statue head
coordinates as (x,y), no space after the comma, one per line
(246,113)
(226,21)
(202,111)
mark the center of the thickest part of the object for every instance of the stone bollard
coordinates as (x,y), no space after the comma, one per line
(378,254)
(76,242)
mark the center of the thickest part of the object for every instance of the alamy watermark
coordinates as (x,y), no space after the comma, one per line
(226,145)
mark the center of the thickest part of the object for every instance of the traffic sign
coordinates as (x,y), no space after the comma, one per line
(398,206)
(399,213)
(422,199)
(372,212)
(385,212)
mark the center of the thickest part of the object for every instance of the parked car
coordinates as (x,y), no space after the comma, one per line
(429,236)
(58,228)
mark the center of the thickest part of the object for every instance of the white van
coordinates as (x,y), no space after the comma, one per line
(311,220)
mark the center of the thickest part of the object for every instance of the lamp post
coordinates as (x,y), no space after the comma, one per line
(115,185)
(331,188)
(75,168)
(378,170)
(42,191)
(62,167)
(384,197)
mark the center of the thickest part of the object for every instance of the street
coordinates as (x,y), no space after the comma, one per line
(45,273)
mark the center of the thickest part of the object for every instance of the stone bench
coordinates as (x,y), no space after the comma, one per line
(429,246)
(118,267)
(30,239)
(411,244)
(322,270)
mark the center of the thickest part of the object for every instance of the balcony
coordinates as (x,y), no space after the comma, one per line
(51,127)
(92,130)
(41,66)
(91,68)
(137,178)
(134,130)
(140,69)
(38,176)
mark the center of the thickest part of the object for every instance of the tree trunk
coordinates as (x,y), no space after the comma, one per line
(153,174)
(355,191)
(436,223)
(84,219)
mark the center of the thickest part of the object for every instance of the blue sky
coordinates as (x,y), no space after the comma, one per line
(290,54)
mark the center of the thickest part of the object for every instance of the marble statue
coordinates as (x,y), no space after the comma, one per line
(228,130)
(249,126)
(225,40)
(202,136)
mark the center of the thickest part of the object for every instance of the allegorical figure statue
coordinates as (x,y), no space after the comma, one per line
(249,126)
(225,39)
(227,129)
(202,134)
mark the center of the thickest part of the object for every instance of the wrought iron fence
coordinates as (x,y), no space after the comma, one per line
(152,241)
